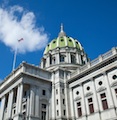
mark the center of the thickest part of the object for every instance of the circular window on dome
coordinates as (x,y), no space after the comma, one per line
(88,88)
(77,92)
(62,40)
(76,42)
(100,83)
(48,45)
(70,40)
(54,41)
(114,77)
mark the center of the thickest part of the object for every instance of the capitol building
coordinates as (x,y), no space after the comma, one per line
(66,86)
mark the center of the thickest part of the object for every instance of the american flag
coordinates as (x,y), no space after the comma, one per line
(20,40)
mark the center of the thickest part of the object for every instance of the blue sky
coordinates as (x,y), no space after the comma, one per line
(92,22)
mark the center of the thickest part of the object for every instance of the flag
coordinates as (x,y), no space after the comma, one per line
(20,40)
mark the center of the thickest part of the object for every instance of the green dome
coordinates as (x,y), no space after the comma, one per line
(62,41)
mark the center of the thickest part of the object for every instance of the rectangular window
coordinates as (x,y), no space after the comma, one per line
(56,91)
(64,112)
(43,106)
(104,104)
(62,91)
(43,92)
(91,107)
(116,91)
(79,109)
(57,101)
(43,115)
(57,113)
(63,101)
(79,112)
(104,101)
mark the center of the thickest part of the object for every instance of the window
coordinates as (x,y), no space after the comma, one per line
(62,58)
(25,93)
(104,101)
(73,59)
(43,92)
(44,63)
(43,115)
(57,113)
(63,101)
(79,110)
(64,112)
(54,41)
(56,91)
(43,112)
(91,108)
(50,59)
(116,92)
(24,107)
(57,101)
(53,60)
(114,77)
(62,91)
(77,92)
(43,106)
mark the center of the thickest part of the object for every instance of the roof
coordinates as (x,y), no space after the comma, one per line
(63,41)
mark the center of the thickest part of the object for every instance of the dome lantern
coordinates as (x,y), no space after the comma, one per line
(61,33)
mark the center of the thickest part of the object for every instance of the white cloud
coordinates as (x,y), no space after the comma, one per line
(16,23)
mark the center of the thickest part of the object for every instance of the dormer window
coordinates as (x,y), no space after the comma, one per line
(70,40)
(62,40)
(54,41)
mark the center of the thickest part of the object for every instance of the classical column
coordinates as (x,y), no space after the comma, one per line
(83,102)
(53,102)
(37,102)
(2,107)
(109,96)
(47,112)
(59,100)
(28,103)
(19,99)
(72,104)
(10,104)
(32,100)
(66,101)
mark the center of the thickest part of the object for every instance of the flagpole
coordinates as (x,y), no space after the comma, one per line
(15,53)
(14,60)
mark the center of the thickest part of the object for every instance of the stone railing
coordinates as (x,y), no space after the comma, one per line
(94,62)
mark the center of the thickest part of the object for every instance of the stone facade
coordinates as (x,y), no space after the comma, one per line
(67,86)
